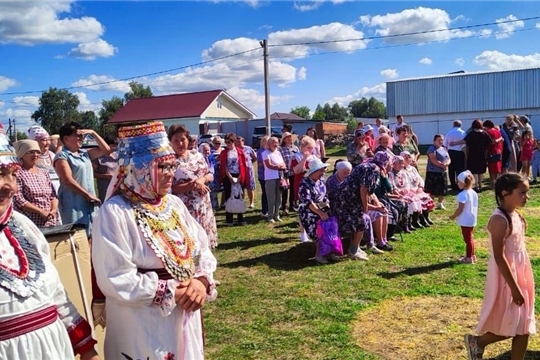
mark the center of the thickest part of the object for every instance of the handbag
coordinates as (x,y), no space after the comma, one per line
(283,181)
(329,241)
(235,203)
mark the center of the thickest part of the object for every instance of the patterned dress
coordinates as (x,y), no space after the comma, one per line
(191,167)
(348,207)
(311,192)
(248,150)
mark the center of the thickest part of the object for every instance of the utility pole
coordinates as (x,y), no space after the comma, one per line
(14,131)
(264,45)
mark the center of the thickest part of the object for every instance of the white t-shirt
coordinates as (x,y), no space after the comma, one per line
(469,215)
(275,159)
(394,130)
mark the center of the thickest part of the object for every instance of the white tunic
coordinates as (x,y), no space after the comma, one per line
(50,342)
(137,328)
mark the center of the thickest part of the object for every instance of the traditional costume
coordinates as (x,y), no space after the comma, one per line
(37,320)
(144,246)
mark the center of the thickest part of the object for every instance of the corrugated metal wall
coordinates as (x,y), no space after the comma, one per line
(516,89)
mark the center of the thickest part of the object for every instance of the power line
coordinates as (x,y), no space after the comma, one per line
(397,45)
(294,44)
(405,34)
(135,77)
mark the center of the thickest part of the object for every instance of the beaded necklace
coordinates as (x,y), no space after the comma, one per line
(156,221)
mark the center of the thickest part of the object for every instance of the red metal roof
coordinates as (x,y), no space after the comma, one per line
(285,116)
(165,107)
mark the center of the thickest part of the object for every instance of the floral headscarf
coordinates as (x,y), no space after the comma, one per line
(37,133)
(140,149)
(381,159)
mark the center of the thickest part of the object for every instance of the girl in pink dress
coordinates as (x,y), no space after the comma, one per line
(508,307)
(527,149)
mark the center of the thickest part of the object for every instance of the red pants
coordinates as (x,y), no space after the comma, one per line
(468,237)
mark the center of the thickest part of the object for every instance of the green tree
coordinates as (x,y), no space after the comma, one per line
(371,108)
(302,111)
(137,91)
(107,111)
(56,107)
(89,120)
(319,113)
(19,136)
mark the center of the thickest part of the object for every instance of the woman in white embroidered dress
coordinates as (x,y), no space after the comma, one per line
(151,257)
(37,320)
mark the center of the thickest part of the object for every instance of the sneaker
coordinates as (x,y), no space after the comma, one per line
(393,238)
(278,219)
(440,206)
(473,351)
(252,206)
(466,260)
(375,250)
(360,255)
(333,257)
(321,260)
(385,247)
(265,215)
(271,221)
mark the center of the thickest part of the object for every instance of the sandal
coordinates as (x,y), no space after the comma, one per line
(473,350)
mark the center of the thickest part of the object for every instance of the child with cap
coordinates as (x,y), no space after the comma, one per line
(466,214)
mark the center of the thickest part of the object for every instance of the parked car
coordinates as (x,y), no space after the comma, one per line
(207,138)
(260,131)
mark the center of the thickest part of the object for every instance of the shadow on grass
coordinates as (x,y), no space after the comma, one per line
(247,244)
(417,270)
(530,355)
(295,258)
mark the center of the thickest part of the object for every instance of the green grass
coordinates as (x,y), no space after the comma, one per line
(276,303)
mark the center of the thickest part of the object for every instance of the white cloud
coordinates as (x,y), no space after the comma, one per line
(420,20)
(253,99)
(26,101)
(496,60)
(22,117)
(302,73)
(506,29)
(85,104)
(252,3)
(377,91)
(426,61)
(6,83)
(459,61)
(2,104)
(119,86)
(307,5)
(93,49)
(49,22)
(538,25)
(390,73)
(485,33)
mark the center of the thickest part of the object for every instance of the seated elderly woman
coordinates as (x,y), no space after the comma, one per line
(413,183)
(356,150)
(37,319)
(352,200)
(342,169)
(385,144)
(36,196)
(313,204)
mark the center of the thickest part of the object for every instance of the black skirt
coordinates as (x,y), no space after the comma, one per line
(436,183)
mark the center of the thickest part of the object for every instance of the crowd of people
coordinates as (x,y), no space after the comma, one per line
(152,225)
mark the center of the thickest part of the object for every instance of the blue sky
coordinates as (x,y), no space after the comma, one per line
(80,43)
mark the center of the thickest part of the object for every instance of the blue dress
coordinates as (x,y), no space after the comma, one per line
(75,208)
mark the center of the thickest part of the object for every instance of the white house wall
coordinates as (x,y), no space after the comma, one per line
(228,110)
(425,126)
(192,124)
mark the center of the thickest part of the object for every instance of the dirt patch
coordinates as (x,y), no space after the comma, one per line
(425,328)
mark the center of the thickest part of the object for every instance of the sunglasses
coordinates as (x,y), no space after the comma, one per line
(167,168)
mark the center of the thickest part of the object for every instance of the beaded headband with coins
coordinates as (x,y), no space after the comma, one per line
(140,148)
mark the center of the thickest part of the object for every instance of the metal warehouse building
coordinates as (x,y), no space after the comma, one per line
(431,104)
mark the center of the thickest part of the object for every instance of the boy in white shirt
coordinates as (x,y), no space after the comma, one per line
(466,214)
